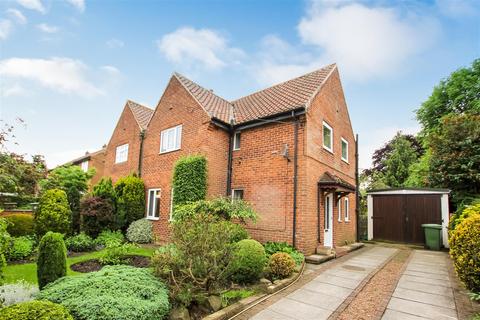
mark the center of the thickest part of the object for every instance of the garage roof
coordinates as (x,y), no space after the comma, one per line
(409,191)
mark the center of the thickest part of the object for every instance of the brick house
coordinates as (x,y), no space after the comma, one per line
(289,150)
(90,160)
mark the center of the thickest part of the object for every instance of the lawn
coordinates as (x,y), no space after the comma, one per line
(28,271)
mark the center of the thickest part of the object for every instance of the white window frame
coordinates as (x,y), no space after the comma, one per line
(237,138)
(326,125)
(149,217)
(339,205)
(238,189)
(120,152)
(177,139)
(346,204)
(84,165)
(346,142)
(171,204)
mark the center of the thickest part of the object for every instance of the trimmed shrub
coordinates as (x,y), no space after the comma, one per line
(274,247)
(52,259)
(35,310)
(80,243)
(190,179)
(140,231)
(17,292)
(130,193)
(115,292)
(97,215)
(465,251)
(20,248)
(108,237)
(20,225)
(53,213)
(281,265)
(247,262)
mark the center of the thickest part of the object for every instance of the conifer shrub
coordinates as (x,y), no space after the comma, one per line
(20,225)
(248,261)
(53,213)
(35,310)
(130,194)
(281,265)
(52,259)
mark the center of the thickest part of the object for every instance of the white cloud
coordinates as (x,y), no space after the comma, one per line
(79,4)
(64,75)
(14,90)
(115,43)
(5,28)
(17,15)
(47,28)
(33,5)
(111,70)
(205,46)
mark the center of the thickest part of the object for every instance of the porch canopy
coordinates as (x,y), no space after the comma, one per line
(330,183)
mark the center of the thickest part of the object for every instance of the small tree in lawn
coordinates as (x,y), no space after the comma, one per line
(130,192)
(190,179)
(53,213)
(52,259)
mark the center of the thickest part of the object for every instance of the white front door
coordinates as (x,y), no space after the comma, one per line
(328,230)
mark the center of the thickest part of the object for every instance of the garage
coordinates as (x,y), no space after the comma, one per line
(398,214)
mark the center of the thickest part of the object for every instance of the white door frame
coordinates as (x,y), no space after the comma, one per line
(328,221)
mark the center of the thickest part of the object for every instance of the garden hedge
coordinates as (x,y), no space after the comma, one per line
(247,262)
(52,259)
(20,225)
(53,213)
(35,310)
(115,292)
(190,179)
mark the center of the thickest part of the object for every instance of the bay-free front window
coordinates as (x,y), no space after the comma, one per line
(84,166)
(344,150)
(121,153)
(171,139)
(327,137)
(237,194)
(346,209)
(236,140)
(153,211)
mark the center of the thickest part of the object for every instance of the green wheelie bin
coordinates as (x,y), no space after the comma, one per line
(433,236)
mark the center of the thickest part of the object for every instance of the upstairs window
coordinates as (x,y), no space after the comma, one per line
(237,194)
(170,139)
(327,137)
(153,212)
(344,150)
(236,141)
(121,154)
(346,209)
(84,166)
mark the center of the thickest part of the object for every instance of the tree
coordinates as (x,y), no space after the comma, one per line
(17,175)
(53,213)
(74,181)
(130,192)
(455,160)
(458,94)
(419,171)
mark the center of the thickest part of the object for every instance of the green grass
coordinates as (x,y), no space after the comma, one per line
(28,271)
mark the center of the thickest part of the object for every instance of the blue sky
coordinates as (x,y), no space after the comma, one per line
(68,66)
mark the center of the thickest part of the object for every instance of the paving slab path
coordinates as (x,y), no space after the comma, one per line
(319,298)
(424,290)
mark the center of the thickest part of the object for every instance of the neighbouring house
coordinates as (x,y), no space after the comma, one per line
(95,160)
(289,150)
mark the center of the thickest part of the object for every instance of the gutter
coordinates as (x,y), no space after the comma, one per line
(140,156)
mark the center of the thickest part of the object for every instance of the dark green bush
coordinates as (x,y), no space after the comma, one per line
(247,262)
(190,179)
(113,293)
(35,310)
(280,265)
(20,225)
(53,213)
(52,259)
(108,237)
(140,231)
(130,192)
(274,247)
(80,243)
(97,215)
(465,251)
(20,248)
(104,189)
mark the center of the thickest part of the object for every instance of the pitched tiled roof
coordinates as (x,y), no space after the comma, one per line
(141,113)
(286,96)
(331,180)
(215,106)
(86,156)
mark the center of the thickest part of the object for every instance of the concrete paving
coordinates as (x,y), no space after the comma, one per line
(424,291)
(319,298)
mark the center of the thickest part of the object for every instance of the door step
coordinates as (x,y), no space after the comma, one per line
(324,250)
(319,258)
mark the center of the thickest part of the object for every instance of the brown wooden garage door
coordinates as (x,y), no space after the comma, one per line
(400,217)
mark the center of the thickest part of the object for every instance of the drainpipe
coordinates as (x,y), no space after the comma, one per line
(140,156)
(357,190)
(295,178)
(231,134)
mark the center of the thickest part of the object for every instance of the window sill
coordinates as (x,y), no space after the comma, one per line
(152,218)
(164,152)
(346,161)
(123,162)
(347,220)
(329,150)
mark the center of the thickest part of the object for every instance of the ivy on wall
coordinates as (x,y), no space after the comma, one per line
(190,179)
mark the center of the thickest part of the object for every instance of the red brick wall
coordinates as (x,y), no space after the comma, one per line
(199,136)
(97,161)
(126,131)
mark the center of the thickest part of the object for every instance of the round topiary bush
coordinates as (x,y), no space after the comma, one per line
(35,310)
(140,231)
(115,292)
(281,265)
(20,225)
(52,259)
(248,261)
(53,213)
(465,251)
(80,243)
